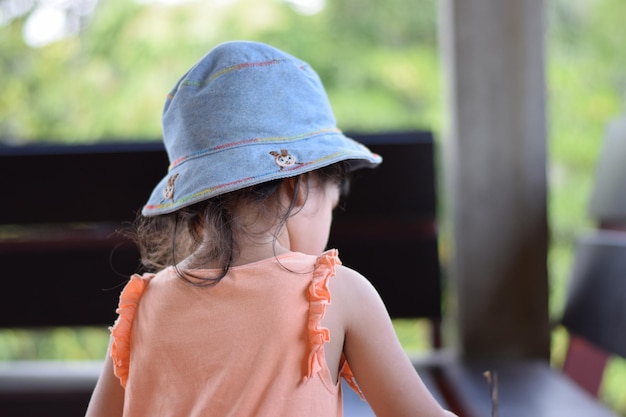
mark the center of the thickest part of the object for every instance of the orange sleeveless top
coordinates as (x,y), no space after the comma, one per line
(252,345)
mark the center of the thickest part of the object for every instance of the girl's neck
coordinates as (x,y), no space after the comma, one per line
(258,253)
(254,242)
(257,233)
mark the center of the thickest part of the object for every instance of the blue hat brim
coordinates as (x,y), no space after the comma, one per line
(250,162)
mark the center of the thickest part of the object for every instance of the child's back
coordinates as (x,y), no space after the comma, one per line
(252,345)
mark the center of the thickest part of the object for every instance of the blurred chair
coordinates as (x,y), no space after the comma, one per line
(595,312)
(608,199)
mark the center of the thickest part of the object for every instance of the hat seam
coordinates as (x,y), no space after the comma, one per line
(244,65)
(244,142)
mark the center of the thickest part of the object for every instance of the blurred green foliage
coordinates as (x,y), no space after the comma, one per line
(379,62)
(110,81)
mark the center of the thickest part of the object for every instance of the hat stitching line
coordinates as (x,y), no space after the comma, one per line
(247,179)
(224,146)
(227,70)
(246,65)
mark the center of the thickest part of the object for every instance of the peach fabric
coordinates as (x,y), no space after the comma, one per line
(252,345)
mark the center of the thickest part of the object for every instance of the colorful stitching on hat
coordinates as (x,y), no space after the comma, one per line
(247,142)
(244,180)
(227,70)
(246,65)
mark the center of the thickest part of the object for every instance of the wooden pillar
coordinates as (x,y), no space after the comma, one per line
(495,169)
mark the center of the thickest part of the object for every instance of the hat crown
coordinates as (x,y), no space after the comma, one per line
(242,91)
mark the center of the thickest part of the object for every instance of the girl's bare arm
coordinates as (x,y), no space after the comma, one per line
(383,370)
(107,399)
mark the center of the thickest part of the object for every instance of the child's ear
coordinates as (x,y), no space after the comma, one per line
(295,189)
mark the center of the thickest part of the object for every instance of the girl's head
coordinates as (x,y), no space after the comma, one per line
(243,119)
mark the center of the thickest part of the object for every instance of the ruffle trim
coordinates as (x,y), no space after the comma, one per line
(319,298)
(121,329)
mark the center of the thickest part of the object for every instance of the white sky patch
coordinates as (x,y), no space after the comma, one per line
(53,20)
(45,25)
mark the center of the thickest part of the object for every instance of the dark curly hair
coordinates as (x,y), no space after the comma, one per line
(166,239)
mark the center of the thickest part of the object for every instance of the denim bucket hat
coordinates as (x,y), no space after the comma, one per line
(246,113)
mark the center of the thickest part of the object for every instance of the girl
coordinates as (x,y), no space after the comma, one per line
(237,319)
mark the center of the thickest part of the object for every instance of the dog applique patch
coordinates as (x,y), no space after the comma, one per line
(283,159)
(168,191)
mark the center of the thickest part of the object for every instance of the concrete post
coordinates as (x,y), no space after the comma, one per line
(495,168)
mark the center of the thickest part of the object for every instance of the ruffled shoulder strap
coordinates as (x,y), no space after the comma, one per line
(319,298)
(121,329)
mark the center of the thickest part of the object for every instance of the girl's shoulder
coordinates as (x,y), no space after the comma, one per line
(352,290)
(346,278)
(351,278)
